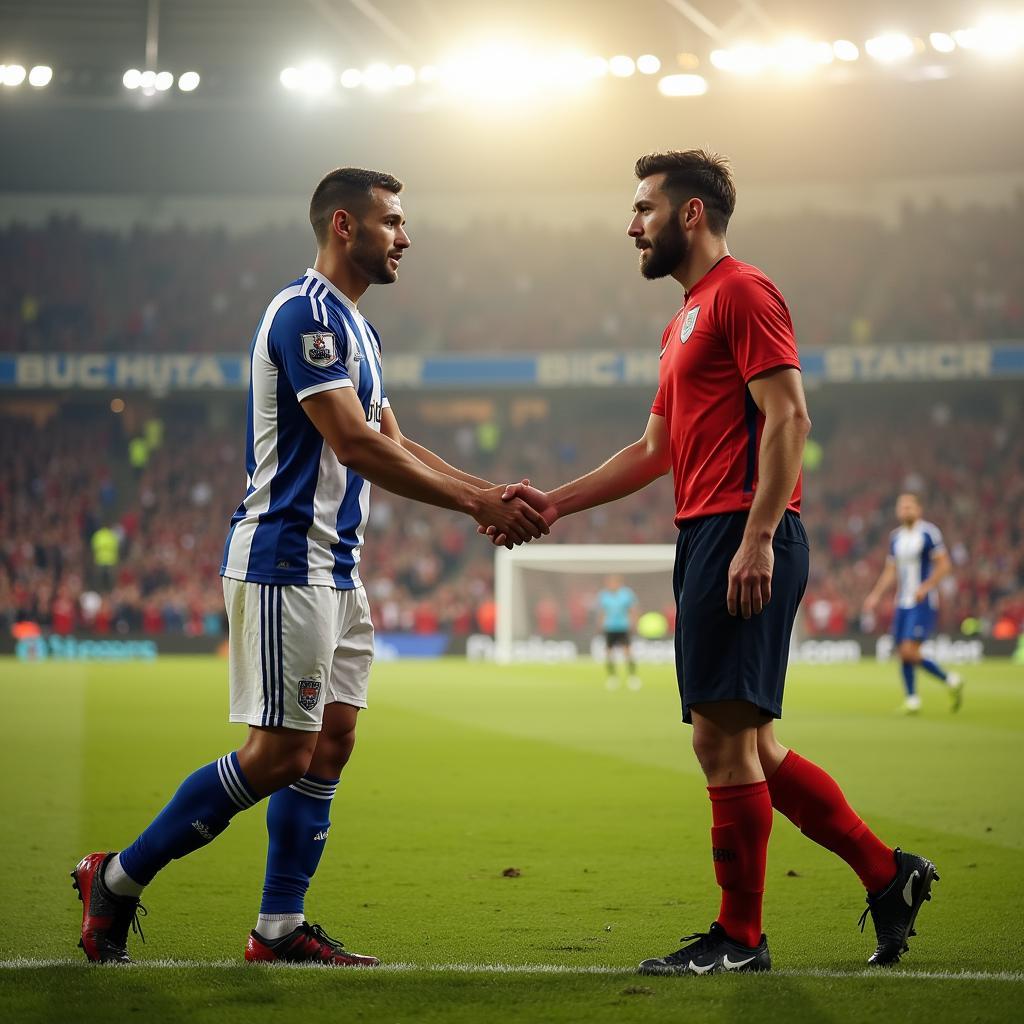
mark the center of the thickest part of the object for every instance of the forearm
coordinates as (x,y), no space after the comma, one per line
(434,461)
(779,461)
(387,464)
(629,470)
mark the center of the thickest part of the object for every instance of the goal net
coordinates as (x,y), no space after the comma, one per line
(546,599)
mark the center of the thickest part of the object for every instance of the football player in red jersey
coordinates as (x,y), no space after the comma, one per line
(730,420)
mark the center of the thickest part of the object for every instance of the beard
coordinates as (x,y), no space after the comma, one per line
(666,252)
(373,263)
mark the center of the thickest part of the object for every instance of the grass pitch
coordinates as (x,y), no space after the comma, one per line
(462,771)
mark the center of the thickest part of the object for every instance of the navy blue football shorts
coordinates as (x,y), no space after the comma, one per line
(724,657)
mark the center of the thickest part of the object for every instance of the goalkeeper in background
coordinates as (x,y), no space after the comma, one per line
(616,604)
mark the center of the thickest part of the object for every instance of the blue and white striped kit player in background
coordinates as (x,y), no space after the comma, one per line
(319,431)
(917,562)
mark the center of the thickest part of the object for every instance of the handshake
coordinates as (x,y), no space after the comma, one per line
(512,514)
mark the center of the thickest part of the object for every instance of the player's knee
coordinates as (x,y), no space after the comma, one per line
(291,765)
(710,751)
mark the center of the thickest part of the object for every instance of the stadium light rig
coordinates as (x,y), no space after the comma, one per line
(13,75)
(151,82)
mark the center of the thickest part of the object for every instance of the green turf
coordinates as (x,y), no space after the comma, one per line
(464,770)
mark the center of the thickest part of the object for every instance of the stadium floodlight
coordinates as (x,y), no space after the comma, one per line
(163,81)
(890,47)
(683,85)
(403,74)
(993,37)
(188,81)
(795,55)
(622,66)
(147,80)
(41,75)
(943,42)
(378,77)
(14,74)
(429,73)
(351,78)
(745,59)
(846,50)
(312,78)
(596,67)
(648,64)
(132,78)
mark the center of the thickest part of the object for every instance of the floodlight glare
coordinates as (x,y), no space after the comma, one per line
(648,64)
(892,46)
(942,41)
(403,75)
(131,78)
(993,37)
(315,78)
(845,50)
(14,74)
(796,56)
(163,81)
(40,75)
(351,78)
(378,77)
(745,59)
(189,81)
(683,85)
(622,66)
(147,80)
(429,73)
(597,67)
(290,78)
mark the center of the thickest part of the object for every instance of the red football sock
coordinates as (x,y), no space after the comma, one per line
(741,824)
(813,801)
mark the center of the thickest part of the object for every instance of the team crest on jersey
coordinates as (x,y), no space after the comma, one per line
(309,692)
(689,322)
(319,348)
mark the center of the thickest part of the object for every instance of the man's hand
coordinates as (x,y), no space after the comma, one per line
(506,518)
(534,497)
(921,593)
(750,577)
(870,603)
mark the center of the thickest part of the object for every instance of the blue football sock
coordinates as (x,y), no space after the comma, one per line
(298,819)
(933,669)
(198,812)
(908,677)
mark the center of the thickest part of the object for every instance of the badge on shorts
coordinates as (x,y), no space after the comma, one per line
(319,348)
(689,322)
(309,692)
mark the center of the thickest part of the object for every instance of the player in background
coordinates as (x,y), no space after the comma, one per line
(616,604)
(320,430)
(729,420)
(917,563)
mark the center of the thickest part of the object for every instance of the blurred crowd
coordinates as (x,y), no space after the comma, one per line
(99,535)
(938,275)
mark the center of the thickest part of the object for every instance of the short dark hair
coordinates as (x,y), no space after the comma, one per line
(696,173)
(345,188)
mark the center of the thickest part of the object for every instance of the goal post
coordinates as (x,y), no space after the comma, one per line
(511,567)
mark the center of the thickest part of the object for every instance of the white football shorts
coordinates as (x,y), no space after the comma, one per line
(293,649)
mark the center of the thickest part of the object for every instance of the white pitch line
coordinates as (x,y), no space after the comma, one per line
(876,974)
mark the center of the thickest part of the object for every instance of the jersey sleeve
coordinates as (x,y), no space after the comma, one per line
(757,326)
(891,553)
(311,357)
(934,543)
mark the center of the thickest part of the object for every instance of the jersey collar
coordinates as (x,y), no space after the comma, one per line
(340,296)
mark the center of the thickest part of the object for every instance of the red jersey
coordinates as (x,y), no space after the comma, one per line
(734,326)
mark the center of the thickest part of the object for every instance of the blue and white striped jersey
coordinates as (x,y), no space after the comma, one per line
(304,513)
(912,548)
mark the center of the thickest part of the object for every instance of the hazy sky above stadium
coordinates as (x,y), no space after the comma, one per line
(241,133)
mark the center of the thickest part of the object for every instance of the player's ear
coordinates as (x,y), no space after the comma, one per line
(342,223)
(692,211)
